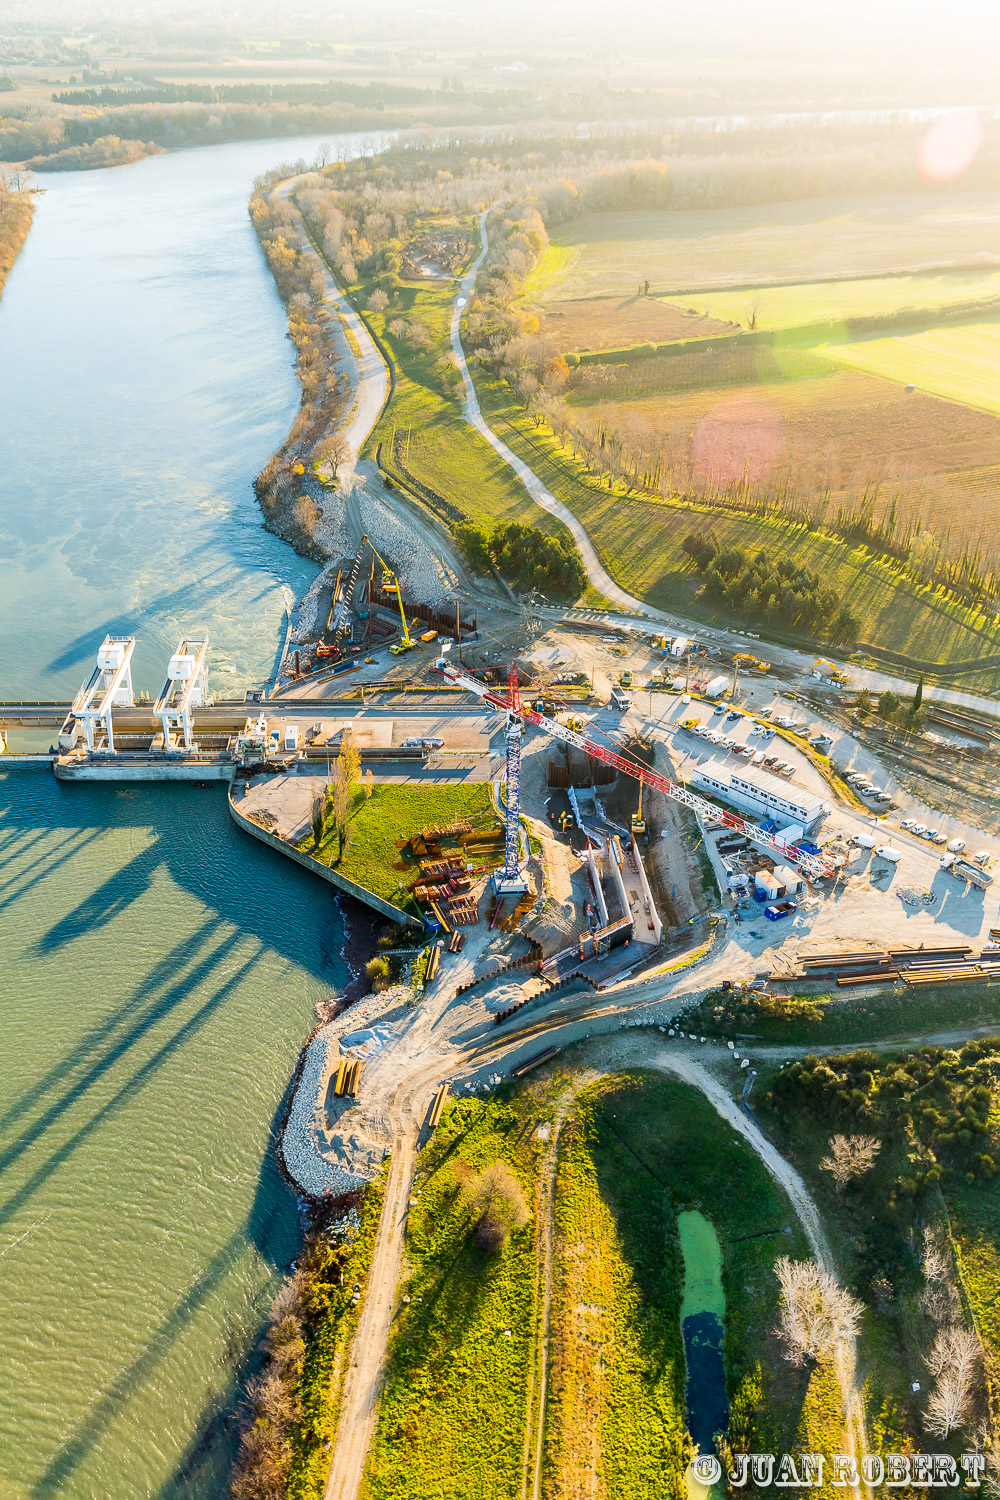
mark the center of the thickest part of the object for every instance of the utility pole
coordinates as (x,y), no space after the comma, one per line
(458,631)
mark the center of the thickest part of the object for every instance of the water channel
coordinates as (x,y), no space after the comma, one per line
(158,970)
(703,1309)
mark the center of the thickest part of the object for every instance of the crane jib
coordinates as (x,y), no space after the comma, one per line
(810,863)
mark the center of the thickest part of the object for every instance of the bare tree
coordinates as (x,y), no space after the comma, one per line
(954,1360)
(816,1314)
(940,1297)
(498,1199)
(332,452)
(851,1156)
(379,301)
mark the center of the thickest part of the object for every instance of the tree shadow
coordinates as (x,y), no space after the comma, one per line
(271,1227)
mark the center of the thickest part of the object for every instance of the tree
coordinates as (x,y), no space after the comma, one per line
(497,1198)
(846,626)
(863,702)
(954,1359)
(369,783)
(888,706)
(918,696)
(815,1313)
(318,818)
(378,972)
(340,795)
(379,301)
(332,452)
(851,1156)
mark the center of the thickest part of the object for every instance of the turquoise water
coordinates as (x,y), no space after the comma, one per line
(158,969)
(159,974)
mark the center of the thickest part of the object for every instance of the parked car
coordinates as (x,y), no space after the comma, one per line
(956,845)
(910,823)
(919,829)
(929,833)
(734,716)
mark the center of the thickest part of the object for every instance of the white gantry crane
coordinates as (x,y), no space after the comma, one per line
(813,865)
(185,688)
(109,686)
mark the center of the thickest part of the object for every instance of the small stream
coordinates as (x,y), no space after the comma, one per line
(703,1311)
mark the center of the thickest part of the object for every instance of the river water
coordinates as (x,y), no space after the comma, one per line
(158,970)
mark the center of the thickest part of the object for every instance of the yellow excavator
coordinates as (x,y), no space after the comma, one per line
(390,585)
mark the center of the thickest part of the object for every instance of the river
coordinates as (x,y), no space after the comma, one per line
(159,969)
(145,377)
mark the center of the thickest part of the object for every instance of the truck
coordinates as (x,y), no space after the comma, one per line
(291,736)
(964,869)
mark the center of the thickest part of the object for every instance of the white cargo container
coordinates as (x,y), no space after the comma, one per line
(717,685)
(291,736)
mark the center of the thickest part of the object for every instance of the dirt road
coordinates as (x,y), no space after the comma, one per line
(359,1404)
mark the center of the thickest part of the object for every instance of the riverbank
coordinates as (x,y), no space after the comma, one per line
(17,209)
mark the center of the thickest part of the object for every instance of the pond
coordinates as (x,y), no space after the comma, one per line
(703,1311)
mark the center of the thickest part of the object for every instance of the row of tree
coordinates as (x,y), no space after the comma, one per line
(758,585)
(283,484)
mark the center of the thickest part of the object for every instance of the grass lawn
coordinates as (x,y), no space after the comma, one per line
(373,858)
(333,1324)
(639,539)
(636,1151)
(452,1418)
(814,301)
(610,253)
(959,362)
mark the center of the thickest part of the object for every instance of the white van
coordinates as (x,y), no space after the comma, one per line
(886,851)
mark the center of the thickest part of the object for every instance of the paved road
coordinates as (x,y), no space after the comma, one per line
(534,486)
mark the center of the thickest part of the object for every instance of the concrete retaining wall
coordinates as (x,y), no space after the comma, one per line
(350,887)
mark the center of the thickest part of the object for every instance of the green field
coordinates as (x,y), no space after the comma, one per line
(639,1149)
(814,301)
(424,423)
(959,362)
(453,1413)
(715,248)
(372,857)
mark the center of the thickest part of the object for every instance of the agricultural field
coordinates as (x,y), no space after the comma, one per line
(958,362)
(821,435)
(615,322)
(639,539)
(680,251)
(777,307)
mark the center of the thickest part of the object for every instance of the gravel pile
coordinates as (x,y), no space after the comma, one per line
(418,568)
(305,1165)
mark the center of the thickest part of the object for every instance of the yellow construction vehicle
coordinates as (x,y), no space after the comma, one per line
(390,585)
(752,662)
(638,821)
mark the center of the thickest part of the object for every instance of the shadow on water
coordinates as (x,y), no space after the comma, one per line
(122,1096)
(190,601)
(272,1227)
(272,1230)
(251,904)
